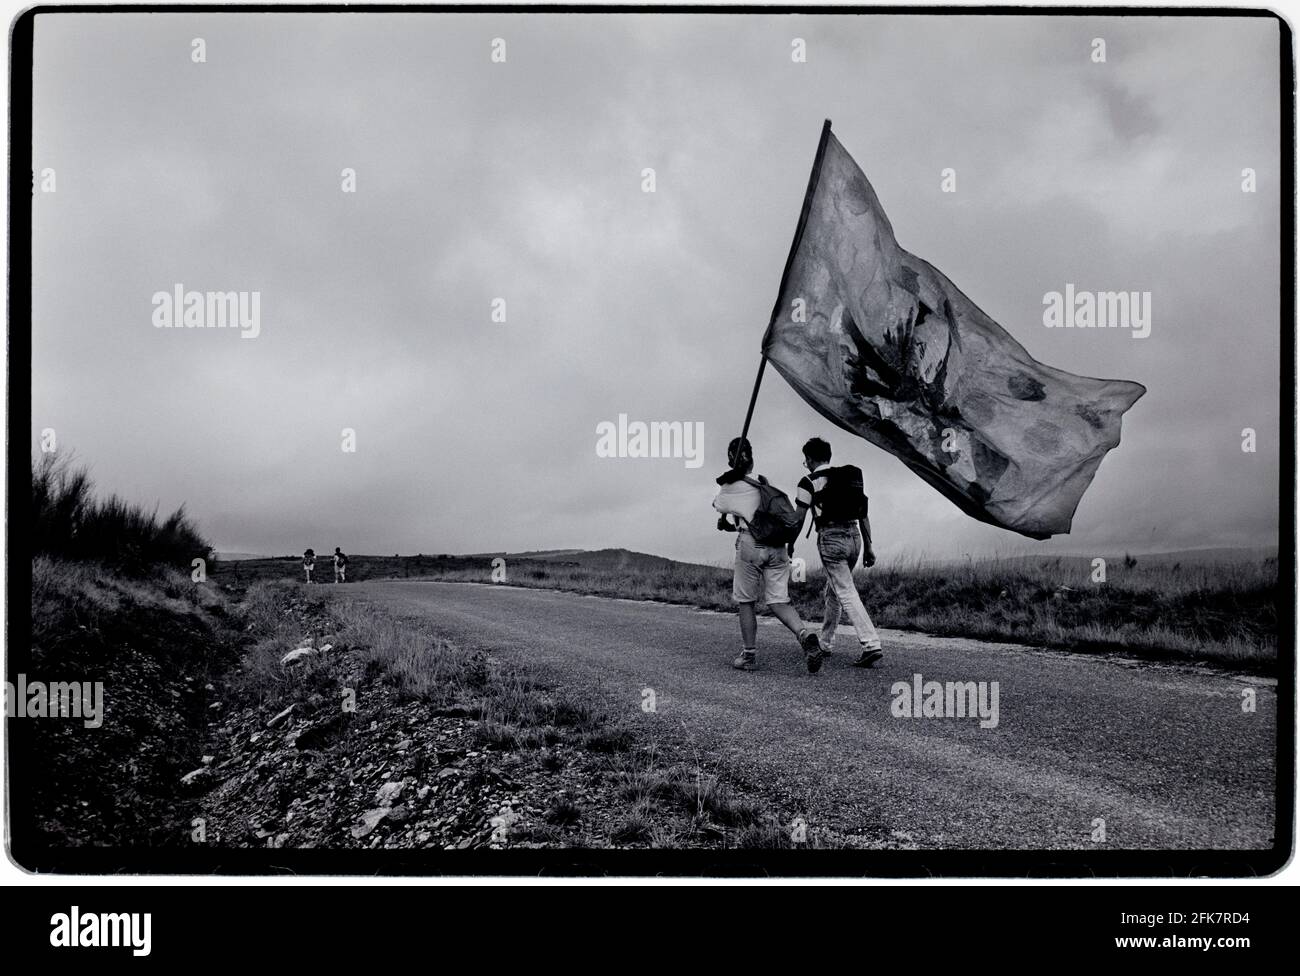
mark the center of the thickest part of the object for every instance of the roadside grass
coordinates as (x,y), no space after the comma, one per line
(690,792)
(670,804)
(674,806)
(1223,612)
(269,614)
(68,521)
(73,600)
(408,654)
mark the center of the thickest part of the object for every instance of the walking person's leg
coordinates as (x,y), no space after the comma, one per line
(744,590)
(834,547)
(808,641)
(839,574)
(831,611)
(748,626)
(765,571)
(789,616)
(846,593)
(776,582)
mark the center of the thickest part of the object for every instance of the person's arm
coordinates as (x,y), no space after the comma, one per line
(802,502)
(726,523)
(801,510)
(868,555)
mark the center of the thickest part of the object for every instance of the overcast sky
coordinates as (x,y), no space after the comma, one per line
(523,180)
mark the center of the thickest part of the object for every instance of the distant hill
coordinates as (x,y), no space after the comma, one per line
(602,559)
(538,563)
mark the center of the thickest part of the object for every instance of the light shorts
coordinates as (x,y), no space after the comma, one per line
(762,572)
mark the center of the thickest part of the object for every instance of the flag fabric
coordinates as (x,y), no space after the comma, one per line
(882,344)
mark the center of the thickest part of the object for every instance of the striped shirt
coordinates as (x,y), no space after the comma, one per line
(807,493)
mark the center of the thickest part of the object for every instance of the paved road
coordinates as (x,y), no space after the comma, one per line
(1164,754)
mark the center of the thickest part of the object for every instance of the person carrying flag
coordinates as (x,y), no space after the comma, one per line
(762,564)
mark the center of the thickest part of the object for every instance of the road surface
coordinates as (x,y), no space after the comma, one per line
(1165,755)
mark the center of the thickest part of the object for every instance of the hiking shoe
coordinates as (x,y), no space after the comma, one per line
(869,657)
(813,650)
(748,661)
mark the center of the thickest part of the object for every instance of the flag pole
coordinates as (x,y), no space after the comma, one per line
(753,397)
(789,262)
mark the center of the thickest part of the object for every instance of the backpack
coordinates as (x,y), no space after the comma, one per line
(775,521)
(841,497)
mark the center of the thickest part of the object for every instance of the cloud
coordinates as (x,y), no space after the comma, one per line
(522,181)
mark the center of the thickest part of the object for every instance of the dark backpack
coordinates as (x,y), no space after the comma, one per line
(841,498)
(775,521)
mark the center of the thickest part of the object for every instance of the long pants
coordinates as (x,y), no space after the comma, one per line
(840,547)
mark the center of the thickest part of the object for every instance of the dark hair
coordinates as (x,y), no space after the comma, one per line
(740,455)
(817,450)
(740,452)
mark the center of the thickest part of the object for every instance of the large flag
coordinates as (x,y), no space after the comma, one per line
(882,344)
